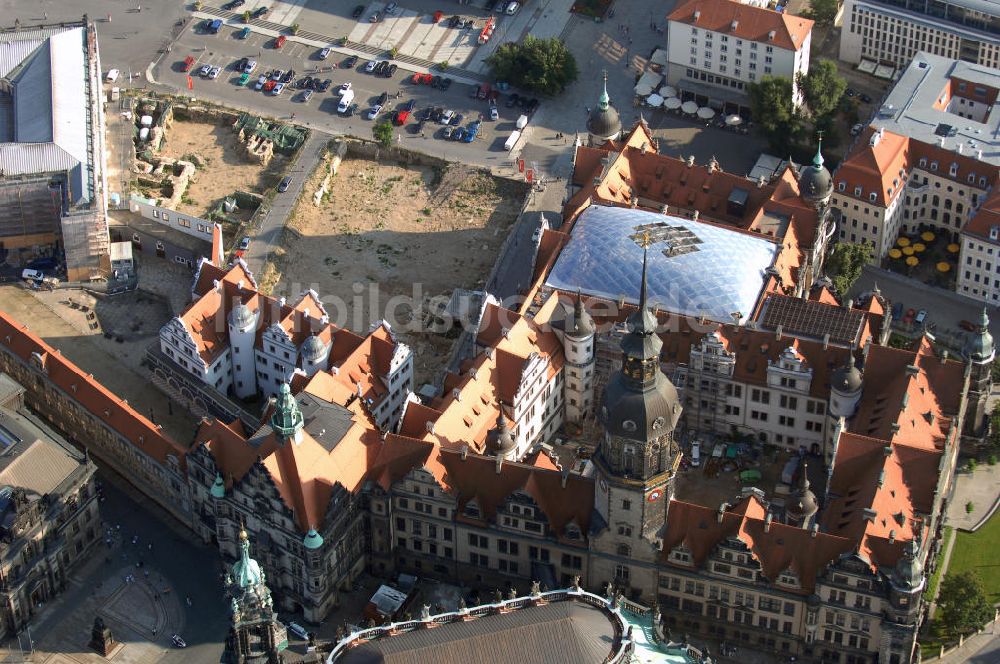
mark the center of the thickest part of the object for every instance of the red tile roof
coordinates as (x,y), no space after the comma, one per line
(105,406)
(745,22)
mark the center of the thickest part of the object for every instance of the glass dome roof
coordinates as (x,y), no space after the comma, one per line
(695,269)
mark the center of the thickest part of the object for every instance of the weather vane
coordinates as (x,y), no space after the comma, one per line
(643,239)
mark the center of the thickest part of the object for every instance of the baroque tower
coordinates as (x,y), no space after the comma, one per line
(637,457)
(255,634)
(979,354)
(577,333)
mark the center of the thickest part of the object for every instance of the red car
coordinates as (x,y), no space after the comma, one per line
(437,16)
(400,117)
(422,79)
(188,63)
(908,318)
(269,86)
(280,41)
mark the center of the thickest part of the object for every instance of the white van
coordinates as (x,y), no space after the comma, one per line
(32,275)
(345,101)
(696,454)
(512,140)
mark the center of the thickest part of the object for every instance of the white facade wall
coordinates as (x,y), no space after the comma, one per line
(177,343)
(185,223)
(537,405)
(891,35)
(979,267)
(728,62)
(241,345)
(276,360)
(579,376)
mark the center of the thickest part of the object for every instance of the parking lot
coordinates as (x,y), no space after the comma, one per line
(225,49)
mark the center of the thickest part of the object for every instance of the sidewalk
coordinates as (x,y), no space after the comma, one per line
(981,488)
(972,646)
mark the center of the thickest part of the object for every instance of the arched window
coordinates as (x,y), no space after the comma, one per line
(624,550)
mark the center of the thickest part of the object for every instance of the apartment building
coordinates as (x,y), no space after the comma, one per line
(716,48)
(239,343)
(927,162)
(893,32)
(49,510)
(89,416)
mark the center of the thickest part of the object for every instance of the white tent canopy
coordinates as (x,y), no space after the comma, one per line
(648,82)
(689,107)
(654,100)
(668,91)
(705,113)
(672,103)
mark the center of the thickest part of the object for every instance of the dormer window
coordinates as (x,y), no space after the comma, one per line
(982,180)
(841,186)
(873,196)
(923,162)
(788,578)
(572,532)
(994,232)
(953,169)
(934,166)
(857,191)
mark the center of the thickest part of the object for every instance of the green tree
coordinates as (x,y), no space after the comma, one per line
(962,603)
(845,264)
(246,16)
(383,133)
(544,66)
(822,11)
(822,88)
(774,112)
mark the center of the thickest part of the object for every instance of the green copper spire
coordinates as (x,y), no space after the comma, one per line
(287,418)
(218,489)
(312,540)
(604,101)
(818,159)
(246,571)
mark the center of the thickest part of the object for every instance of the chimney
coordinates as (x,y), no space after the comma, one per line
(216,285)
(697,15)
(324,320)
(777,333)
(239,286)
(430,427)
(735,24)
(563,478)
(959,148)
(456,393)
(767,523)
(887,451)
(690,161)
(644,148)
(892,536)
(848,303)
(465,452)
(813,530)
(281,301)
(944,356)
(826,340)
(665,209)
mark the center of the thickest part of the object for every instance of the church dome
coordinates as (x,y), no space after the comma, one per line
(604,122)
(241,316)
(847,378)
(979,344)
(500,440)
(640,415)
(802,504)
(313,348)
(815,181)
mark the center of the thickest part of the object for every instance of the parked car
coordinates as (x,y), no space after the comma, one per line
(188,63)
(866,99)
(447,116)
(278,89)
(695,454)
(178,641)
(375,18)
(244,79)
(345,101)
(260,82)
(436,18)
(850,92)
(325,53)
(512,100)
(32,275)
(261,11)
(349,62)
(381,67)
(484,91)
(383,99)
(344,87)
(244,33)
(390,70)
(400,117)
(410,105)
(457,120)
(285,183)
(374,111)
(370,66)
(494,113)
(448,131)
(921,317)
(325,85)
(857,129)
(250,66)
(512,8)
(241,64)
(276,75)
(351,110)
(215,72)
(435,82)
(358,11)
(279,41)
(288,77)
(245,243)
(897,311)
(459,134)
(205,71)
(230,6)
(445,83)
(391,8)
(307,95)
(298,631)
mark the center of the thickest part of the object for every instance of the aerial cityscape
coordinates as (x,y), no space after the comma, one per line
(500,331)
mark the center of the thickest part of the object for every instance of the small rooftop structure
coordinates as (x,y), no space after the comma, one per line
(813,319)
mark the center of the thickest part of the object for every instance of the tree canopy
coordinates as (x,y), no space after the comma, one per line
(383,133)
(774,112)
(822,11)
(822,88)
(845,264)
(544,66)
(962,603)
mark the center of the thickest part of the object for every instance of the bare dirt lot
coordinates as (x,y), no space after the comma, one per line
(401,231)
(226,168)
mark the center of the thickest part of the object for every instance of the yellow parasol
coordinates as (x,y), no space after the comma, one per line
(943,267)
(895,253)
(912,260)
(953,248)
(927,236)
(903,241)
(908,251)
(919,246)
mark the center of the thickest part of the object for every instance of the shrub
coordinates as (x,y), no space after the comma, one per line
(393,52)
(969,507)
(971,465)
(992,460)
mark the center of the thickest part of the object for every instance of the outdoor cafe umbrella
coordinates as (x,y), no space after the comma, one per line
(903,241)
(943,266)
(953,248)
(672,103)
(895,253)
(909,251)
(705,113)
(734,120)
(912,261)
(927,236)
(654,100)
(642,89)
(689,107)
(668,91)
(919,246)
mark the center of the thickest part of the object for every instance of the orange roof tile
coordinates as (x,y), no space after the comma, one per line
(96,399)
(745,22)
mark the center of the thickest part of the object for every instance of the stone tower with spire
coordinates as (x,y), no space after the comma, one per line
(801,506)
(603,123)
(979,353)
(637,457)
(255,634)
(577,332)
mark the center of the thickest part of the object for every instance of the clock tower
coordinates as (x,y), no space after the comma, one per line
(637,457)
